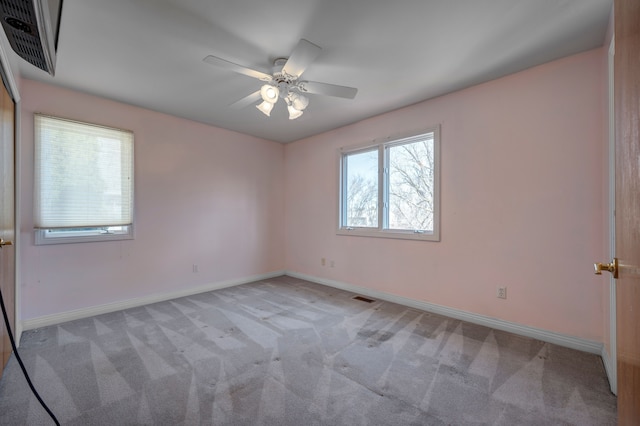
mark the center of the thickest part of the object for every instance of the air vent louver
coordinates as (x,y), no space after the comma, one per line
(30,30)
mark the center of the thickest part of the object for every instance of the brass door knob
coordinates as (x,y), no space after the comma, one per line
(611,267)
(5,243)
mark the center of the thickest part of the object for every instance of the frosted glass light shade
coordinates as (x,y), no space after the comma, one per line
(299,102)
(293,112)
(269,93)
(265,107)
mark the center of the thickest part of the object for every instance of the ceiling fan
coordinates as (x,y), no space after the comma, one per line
(284,82)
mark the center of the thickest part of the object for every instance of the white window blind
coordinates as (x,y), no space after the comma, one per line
(83,174)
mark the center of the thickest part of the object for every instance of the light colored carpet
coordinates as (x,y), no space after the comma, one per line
(289,352)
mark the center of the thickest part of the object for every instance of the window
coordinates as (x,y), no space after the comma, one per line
(391,189)
(83,184)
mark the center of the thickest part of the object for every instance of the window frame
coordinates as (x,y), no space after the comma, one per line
(50,236)
(45,236)
(383,230)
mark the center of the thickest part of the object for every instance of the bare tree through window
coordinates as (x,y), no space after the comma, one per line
(362,189)
(411,186)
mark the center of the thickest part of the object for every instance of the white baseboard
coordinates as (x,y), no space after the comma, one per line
(53,319)
(498,324)
(17,333)
(610,370)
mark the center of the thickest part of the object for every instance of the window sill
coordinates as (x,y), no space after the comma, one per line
(42,237)
(394,234)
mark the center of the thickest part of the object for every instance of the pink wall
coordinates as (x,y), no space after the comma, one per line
(204,196)
(522,205)
(521,201)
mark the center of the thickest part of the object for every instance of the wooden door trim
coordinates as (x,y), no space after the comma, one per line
(7,74)
(611,356)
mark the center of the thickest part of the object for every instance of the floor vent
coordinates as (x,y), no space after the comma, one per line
(363,299)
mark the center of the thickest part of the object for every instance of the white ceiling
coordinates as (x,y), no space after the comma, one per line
(150,53)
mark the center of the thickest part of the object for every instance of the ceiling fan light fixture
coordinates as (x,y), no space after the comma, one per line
(284,82)
(298,101)
(269,93)
(265,107)
(293,112)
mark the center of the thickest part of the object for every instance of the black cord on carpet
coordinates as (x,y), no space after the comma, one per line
(24,370)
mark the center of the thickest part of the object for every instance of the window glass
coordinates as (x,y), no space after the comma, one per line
(411,185)
(361,175)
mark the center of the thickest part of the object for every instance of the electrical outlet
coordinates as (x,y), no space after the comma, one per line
(194,268)
(501,293)
(333,264)
(323,261)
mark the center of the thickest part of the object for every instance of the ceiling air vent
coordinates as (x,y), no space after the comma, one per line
(31,27)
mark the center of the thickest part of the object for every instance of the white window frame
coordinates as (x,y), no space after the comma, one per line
(87,235)
(45,236)
(382,230)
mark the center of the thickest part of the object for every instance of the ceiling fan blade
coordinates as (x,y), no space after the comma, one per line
(246,101)
(223,63)
(304,53)
(327,89)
